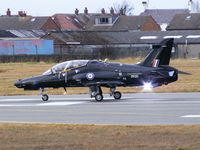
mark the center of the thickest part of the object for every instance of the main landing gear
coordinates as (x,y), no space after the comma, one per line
(115,94)
(98,97)
(96,92)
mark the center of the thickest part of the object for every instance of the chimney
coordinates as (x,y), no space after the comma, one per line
(76,11)
(86,11)
(112,12)
(145,5)
(8,13)
(121,12)
(22,13)
(190,5)
(103,11)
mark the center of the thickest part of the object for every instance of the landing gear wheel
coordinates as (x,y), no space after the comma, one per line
(45,97)
(99,97)
(117,95)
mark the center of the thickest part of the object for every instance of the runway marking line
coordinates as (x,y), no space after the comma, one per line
(42,104)
(59,103)
(15,100)
(191,116)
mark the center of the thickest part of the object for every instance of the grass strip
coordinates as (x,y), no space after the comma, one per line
(98,137)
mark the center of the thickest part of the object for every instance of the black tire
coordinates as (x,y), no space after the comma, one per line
(117,95)
(45,97)
(99,97)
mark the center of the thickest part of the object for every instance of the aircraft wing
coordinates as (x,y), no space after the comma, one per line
(105,83)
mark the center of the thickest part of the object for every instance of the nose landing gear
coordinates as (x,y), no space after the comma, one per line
(45,97)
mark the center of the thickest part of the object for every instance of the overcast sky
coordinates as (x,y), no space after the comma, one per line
(50,7)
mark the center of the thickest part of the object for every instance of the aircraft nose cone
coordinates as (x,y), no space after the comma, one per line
(18,84)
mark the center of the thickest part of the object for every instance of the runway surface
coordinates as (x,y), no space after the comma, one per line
(132,109)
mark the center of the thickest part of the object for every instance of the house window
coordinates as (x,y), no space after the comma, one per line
(188,18)
(103,21)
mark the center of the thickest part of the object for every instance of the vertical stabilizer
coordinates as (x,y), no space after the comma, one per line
(160,55)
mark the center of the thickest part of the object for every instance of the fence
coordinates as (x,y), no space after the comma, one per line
(63,53)
(104,51)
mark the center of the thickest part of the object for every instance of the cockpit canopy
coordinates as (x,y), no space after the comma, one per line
(65,66)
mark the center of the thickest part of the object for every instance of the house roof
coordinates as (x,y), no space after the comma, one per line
(163,15)
(119,23)
(185,22)
(70,21)
(130,22)
(28,33)
(22,23)
(4,33)
(126,37)
(22,33)
(82,37)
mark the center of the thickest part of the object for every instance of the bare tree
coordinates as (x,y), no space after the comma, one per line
(125,8)
(196,7)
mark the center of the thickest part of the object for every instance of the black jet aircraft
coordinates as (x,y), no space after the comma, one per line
(154,71)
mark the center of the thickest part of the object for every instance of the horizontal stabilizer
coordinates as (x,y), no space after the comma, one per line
(184,73)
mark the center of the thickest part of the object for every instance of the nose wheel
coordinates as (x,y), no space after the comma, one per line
(45,97)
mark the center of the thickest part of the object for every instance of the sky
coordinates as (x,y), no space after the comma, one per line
(50,7)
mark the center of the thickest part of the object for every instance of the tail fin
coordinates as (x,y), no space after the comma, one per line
(160,55)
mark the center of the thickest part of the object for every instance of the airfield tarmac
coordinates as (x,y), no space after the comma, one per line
(132,109)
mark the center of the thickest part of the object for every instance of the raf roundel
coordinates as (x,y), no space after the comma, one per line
(90,76)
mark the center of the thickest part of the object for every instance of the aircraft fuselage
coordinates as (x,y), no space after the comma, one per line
(102,74)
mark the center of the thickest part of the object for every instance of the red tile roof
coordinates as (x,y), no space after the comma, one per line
(67,22)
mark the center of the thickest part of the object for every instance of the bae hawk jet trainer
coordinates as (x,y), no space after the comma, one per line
(153,71)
